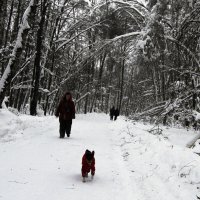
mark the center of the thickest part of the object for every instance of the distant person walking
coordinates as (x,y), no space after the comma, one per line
(116,113)
(112,112)
(66,112)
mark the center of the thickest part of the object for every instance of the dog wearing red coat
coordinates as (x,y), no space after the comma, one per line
(88,164)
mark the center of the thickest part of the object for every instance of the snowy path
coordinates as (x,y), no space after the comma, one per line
(131,164)
(39,165)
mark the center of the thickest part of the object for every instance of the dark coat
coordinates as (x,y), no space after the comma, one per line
(65,109)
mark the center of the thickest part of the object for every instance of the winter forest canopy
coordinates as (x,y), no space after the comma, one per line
(141,56)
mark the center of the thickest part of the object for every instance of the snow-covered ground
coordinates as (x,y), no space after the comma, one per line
(131,163)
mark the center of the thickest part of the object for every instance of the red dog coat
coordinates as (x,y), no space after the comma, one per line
(88,163)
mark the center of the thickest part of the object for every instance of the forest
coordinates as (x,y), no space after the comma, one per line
(140,56)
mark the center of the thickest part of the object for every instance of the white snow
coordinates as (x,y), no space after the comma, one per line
(131,163)
(197,115)
(190,3)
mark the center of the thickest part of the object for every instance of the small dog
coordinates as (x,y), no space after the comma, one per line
(88,164)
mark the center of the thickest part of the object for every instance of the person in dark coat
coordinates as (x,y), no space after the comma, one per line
(112,112)
(66,112)
(88,164)
(116,113)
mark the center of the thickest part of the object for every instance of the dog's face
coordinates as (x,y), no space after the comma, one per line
(89,161)
(89,156)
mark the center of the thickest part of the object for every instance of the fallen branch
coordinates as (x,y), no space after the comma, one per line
(192,142)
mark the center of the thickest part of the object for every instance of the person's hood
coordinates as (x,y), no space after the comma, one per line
(67,93)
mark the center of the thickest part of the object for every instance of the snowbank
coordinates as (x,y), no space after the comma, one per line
(163,169)
(10,125)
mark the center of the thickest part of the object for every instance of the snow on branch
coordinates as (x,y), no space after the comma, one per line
(185,48)
(23,26)
(187,20)
(126,35)
(52,92)
(133,18)
(69,40)
(86,94)
(93,54)
(44,90)
(48,71)
(130,5)
(23,67)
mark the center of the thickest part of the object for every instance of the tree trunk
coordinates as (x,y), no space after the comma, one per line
(163,77)
(122,84)
(16,22)
(3,10)
(35,91)
(9,22)
(99,80)
(88,87)
(49,83)
(17,51)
